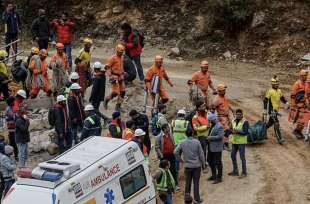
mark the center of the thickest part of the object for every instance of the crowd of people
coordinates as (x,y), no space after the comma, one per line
(194,140)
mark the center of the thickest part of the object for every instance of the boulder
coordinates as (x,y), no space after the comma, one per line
(118,9)
(40,140)
(258,19)
(306,57)
(227,55)
(175,51)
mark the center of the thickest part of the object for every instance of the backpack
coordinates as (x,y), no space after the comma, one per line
(141,38)
(52,116)
(155,129)
(19,71)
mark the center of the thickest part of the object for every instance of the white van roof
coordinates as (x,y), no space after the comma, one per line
(86,154)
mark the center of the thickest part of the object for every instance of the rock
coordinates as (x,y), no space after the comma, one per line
(39,140)
(227,55)
(258,19)
(118,9)
(39,123)
(175,51)
(306,57)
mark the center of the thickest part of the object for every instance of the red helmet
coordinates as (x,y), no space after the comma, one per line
(60,46)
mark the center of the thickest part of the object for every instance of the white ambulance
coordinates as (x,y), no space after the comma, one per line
(99,170)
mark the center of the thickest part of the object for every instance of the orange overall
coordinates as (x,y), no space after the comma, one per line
(222,107)
(128,134)
(299,96)
(40,76)
(83,69)
(116,74)
(202,81)
(161,72)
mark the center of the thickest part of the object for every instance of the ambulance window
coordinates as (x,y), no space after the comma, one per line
(133,181)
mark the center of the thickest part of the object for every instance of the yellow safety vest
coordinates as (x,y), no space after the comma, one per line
(236,138)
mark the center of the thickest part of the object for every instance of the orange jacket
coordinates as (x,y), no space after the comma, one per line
(221,105)
(202,80)
(62,58)
(155,71)
(298,88)
(128,134)
(115,66)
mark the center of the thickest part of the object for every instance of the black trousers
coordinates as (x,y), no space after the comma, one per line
(13,144)
(4,89)
(204,144)
(172,160)
(43,44)
(192,175)
(215,161)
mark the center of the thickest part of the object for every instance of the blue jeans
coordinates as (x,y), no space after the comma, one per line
(137,63)
(167,198)
(68,50)
(241,149)
(22,153)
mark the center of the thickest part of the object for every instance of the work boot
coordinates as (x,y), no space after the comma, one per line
(243,175)
(198,201)
(233,173)
(298,134)
(211,178)
(218,180)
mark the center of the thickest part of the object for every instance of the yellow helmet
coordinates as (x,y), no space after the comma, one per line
(3,53)
(35,50)
(274,80)
(221,87)
(88,41)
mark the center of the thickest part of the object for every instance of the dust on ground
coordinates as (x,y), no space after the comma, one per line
(276,174)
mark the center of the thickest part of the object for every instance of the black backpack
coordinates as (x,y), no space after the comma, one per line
(19,71)
(52,116)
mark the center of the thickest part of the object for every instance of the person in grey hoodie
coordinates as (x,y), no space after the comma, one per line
(7,167)
(194,161)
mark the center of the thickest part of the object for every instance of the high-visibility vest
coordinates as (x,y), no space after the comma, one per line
(163,184)
(200,123)
(236,138)
(179,130)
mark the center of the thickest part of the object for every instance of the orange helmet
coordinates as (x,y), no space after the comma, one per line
(159,58)
(60,46)
(303,72)
(43,52)
(120,48)
(221,87)
(204,63)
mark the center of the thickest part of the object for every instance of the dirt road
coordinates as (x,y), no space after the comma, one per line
(276,174)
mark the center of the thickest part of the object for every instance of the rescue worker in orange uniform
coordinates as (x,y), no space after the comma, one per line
(299,113)
(158,70)
(40,79)
(60,66)
(202,80)
(83,65)
(222,106)
(116,74)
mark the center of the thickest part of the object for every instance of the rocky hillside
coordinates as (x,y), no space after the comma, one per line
(270,31)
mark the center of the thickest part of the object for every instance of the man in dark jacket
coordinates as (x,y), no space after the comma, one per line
(40,30)
(62,124)
(216,141)
(22,136)
(132,41)
(76,110)
(141,121)
(92,123)
(98,90)
(12,25)
(130,70)
(116,126)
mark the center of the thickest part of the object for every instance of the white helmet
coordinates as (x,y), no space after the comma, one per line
(89,107)
(22,93)
(60,98)
(74,76)
(97,65)
(181,112)
(75,86)
(139,133)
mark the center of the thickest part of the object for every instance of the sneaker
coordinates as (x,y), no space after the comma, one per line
(217,181)
(211,178)
(198,201)
(233,173)
(298,134)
